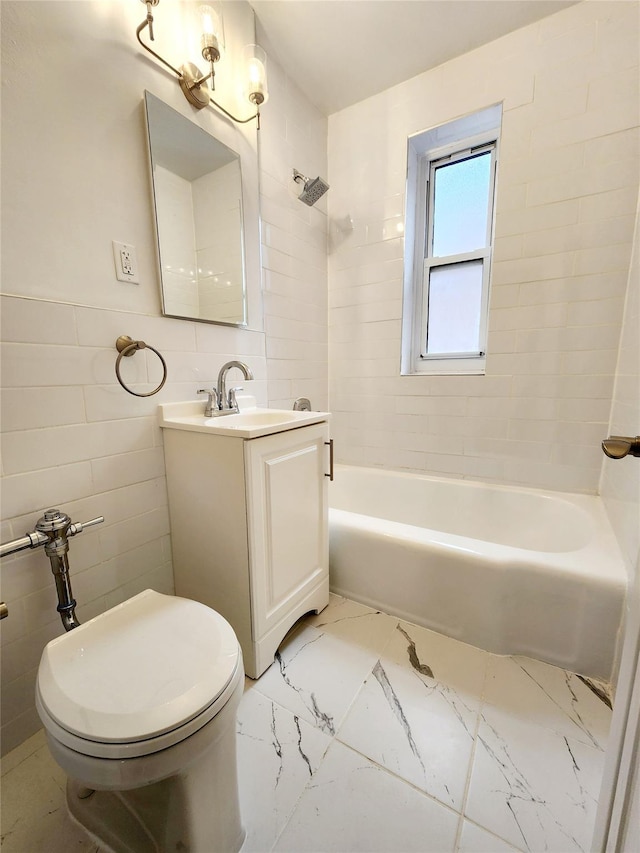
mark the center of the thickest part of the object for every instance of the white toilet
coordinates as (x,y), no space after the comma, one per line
(139,706)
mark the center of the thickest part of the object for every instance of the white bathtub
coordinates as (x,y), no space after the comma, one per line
(507,569)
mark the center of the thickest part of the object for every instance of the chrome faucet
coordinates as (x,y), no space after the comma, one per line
(219,401)
(227,402)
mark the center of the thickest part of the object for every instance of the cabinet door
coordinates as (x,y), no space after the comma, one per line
(288,530)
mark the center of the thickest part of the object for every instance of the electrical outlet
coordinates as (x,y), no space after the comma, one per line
(126,262)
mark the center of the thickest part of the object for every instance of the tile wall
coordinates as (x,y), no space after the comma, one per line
(620,483)
(620,490)
(75,177)
(566,204)
(294,259)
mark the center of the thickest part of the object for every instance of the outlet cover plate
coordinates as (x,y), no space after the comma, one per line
(126,262)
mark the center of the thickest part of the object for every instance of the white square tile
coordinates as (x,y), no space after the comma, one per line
(317,673)
(424,695)
(532,787)
(352,804)
(34,809)
(474,839)
(28,747)
(355,623)
(548,696)
(277,755)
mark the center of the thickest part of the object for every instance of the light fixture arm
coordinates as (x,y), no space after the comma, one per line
(239,120)
(148,22)
(192,82)
(210,76)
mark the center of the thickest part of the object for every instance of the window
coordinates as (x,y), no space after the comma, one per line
(448,239)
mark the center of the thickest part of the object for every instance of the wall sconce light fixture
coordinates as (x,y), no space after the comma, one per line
(195,84)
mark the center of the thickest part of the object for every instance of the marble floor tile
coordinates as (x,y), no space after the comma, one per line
(533,787)
(548,696)
(424,695)
(319,670)
(353,805)
(443,659)
(355,623)
(277,755)
(34,808)
(23,751)
(474,839)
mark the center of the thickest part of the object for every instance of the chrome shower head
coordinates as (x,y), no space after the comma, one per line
(313,189)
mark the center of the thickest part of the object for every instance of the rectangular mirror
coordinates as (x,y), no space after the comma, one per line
(197,190)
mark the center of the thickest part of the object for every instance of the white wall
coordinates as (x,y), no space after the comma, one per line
(620,483)
(620,489)
(566,202)
(75,177)
(294,238)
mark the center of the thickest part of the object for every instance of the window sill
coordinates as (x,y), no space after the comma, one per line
(447,367)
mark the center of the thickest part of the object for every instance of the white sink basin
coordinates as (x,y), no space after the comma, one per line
(250,423)
(261,417)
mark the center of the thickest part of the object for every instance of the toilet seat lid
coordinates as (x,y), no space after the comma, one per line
(141,669)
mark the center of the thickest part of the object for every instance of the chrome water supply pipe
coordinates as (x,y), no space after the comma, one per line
(53,531)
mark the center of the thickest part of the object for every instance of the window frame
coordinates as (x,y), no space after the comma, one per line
(455,141)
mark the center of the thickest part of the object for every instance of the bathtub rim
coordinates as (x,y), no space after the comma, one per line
(602,548)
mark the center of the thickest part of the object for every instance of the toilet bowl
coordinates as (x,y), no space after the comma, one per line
(139,708)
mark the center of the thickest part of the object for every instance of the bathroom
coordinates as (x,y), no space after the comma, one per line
(562,368)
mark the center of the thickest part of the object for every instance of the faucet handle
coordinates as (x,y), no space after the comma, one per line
(231,398)
(212,401)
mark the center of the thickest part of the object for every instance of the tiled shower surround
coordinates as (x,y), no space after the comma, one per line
(567,194)
(371,734)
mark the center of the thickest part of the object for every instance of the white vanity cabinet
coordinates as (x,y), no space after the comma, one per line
(249,529)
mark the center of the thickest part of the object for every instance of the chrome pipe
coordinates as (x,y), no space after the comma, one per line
(53,531)
(29,540)
(57,551)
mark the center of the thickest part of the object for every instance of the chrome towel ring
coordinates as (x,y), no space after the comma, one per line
(126,346)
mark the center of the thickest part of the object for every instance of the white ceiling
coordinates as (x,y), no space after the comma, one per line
(342,51)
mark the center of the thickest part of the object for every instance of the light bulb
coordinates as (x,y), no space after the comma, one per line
(256,74)
(212,36)
(206,20)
